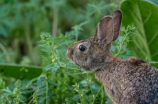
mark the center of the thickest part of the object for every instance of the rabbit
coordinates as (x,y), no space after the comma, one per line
(126,81)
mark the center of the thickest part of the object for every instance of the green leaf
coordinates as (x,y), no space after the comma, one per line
(19,72)
(41,99)
(153,1)
(55,68)
(143,15)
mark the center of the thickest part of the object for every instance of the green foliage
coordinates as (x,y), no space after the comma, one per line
(145,20)
(119,47)
(57,80)
(9,96)
(21,22)
(20,71)
(153,1)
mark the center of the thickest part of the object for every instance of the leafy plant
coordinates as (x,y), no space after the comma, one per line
(143,15)
(57,80)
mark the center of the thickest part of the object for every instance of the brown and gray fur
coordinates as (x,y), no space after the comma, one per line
(126,81)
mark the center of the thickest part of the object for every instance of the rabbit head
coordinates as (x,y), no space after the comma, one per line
(90,54)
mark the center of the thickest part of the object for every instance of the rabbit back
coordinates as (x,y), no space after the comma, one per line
(130,81)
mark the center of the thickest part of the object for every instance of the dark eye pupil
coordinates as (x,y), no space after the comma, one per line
(82,48)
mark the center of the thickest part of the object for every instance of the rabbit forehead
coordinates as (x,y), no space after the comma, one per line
(85,43)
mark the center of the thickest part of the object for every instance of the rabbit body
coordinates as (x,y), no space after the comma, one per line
(130,81)
(126,81)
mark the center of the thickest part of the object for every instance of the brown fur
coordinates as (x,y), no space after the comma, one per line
(126,81)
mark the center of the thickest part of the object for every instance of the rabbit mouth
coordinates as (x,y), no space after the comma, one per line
(82,67)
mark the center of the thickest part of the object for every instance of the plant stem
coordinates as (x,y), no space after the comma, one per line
(53,52)
(122,43)
(55,21)
(32,98)
(102,96)
(29,42)
(89,84)
(97,93)
(46,91)
(8,100)
(76,36)
(143,33)
(5,52)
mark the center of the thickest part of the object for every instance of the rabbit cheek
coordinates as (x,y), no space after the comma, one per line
(82,61)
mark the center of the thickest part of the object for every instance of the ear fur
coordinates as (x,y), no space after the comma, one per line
(105,27)
(117,17)
(108,28)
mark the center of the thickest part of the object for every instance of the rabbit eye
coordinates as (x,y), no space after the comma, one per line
(82,48)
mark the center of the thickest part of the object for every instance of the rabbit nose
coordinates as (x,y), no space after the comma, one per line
(69,54)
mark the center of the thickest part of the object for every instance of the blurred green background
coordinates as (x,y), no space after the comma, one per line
(34,36)
(22,21)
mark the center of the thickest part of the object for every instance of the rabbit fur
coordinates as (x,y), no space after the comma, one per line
(126,81)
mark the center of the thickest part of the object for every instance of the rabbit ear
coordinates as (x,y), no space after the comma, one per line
(105,30)
(117,18)
(108,28)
